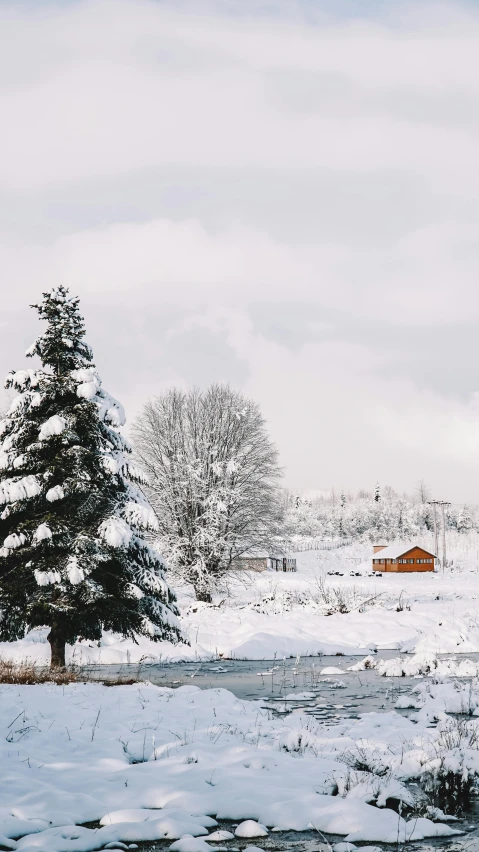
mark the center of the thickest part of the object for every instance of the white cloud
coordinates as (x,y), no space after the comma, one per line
(427,277)
(127,86)
(317,162)
(339,422)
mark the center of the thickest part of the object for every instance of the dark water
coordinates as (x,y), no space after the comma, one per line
(313,841)
(298,841)
(332,696)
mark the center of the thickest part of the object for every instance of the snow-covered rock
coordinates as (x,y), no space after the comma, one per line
(221,834)
(187,843)
(251,828)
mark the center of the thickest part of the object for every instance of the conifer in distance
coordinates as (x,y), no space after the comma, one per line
(73,555)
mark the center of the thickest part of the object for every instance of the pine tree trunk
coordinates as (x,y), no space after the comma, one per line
(56,638)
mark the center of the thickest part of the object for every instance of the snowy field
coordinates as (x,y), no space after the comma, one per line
(144,763)
(274,615)
(88,767)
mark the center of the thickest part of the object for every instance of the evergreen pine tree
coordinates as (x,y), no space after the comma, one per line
(377,493)
(74,557)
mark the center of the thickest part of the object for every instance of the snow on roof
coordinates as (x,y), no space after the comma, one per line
(394,551)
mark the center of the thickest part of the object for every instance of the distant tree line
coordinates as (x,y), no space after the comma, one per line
(363,516)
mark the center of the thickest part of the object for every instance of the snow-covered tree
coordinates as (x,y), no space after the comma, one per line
(73,555)
(212,474)
(464,521)
(362,517)
(301,518)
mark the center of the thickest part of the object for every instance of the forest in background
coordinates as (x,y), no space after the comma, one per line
(378,516)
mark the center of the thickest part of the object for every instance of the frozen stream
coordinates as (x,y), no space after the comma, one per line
(332,696)
(273,684)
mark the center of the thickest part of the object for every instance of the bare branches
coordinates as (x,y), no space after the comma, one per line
(213,480)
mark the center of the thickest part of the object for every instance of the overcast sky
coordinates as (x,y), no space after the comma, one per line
(279,195)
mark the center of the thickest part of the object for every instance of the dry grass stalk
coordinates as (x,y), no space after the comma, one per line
(27,673)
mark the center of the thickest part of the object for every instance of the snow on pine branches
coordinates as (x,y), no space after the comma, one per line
(72,515)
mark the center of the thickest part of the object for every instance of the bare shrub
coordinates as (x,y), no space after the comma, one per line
(336,599)
(449,777)
(27,673)
(402,604)
(362,759)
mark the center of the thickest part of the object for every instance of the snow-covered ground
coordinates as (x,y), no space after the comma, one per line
(269,614)
(147,763)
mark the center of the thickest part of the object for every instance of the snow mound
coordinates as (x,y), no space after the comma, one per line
(220,835)
(368,663)
(192,844)
(250,828)
(332,670)
(426,664)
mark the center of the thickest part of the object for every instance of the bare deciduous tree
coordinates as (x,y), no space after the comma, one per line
(422,491)
(213,481)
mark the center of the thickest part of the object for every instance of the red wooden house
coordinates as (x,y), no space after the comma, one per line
(402,558)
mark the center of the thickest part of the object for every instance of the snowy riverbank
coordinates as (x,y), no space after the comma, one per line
(269,614)
(116,755)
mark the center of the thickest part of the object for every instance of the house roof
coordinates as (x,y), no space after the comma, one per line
(395,551)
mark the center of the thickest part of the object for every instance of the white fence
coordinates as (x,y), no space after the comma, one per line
(318,544)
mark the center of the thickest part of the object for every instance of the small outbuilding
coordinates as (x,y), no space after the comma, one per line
(264,563)
(402,558)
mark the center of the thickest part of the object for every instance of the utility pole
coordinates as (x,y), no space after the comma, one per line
(434,503)
(440,503)
(444,560)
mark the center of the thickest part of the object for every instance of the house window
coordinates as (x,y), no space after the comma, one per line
(423,561)
(406,561)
